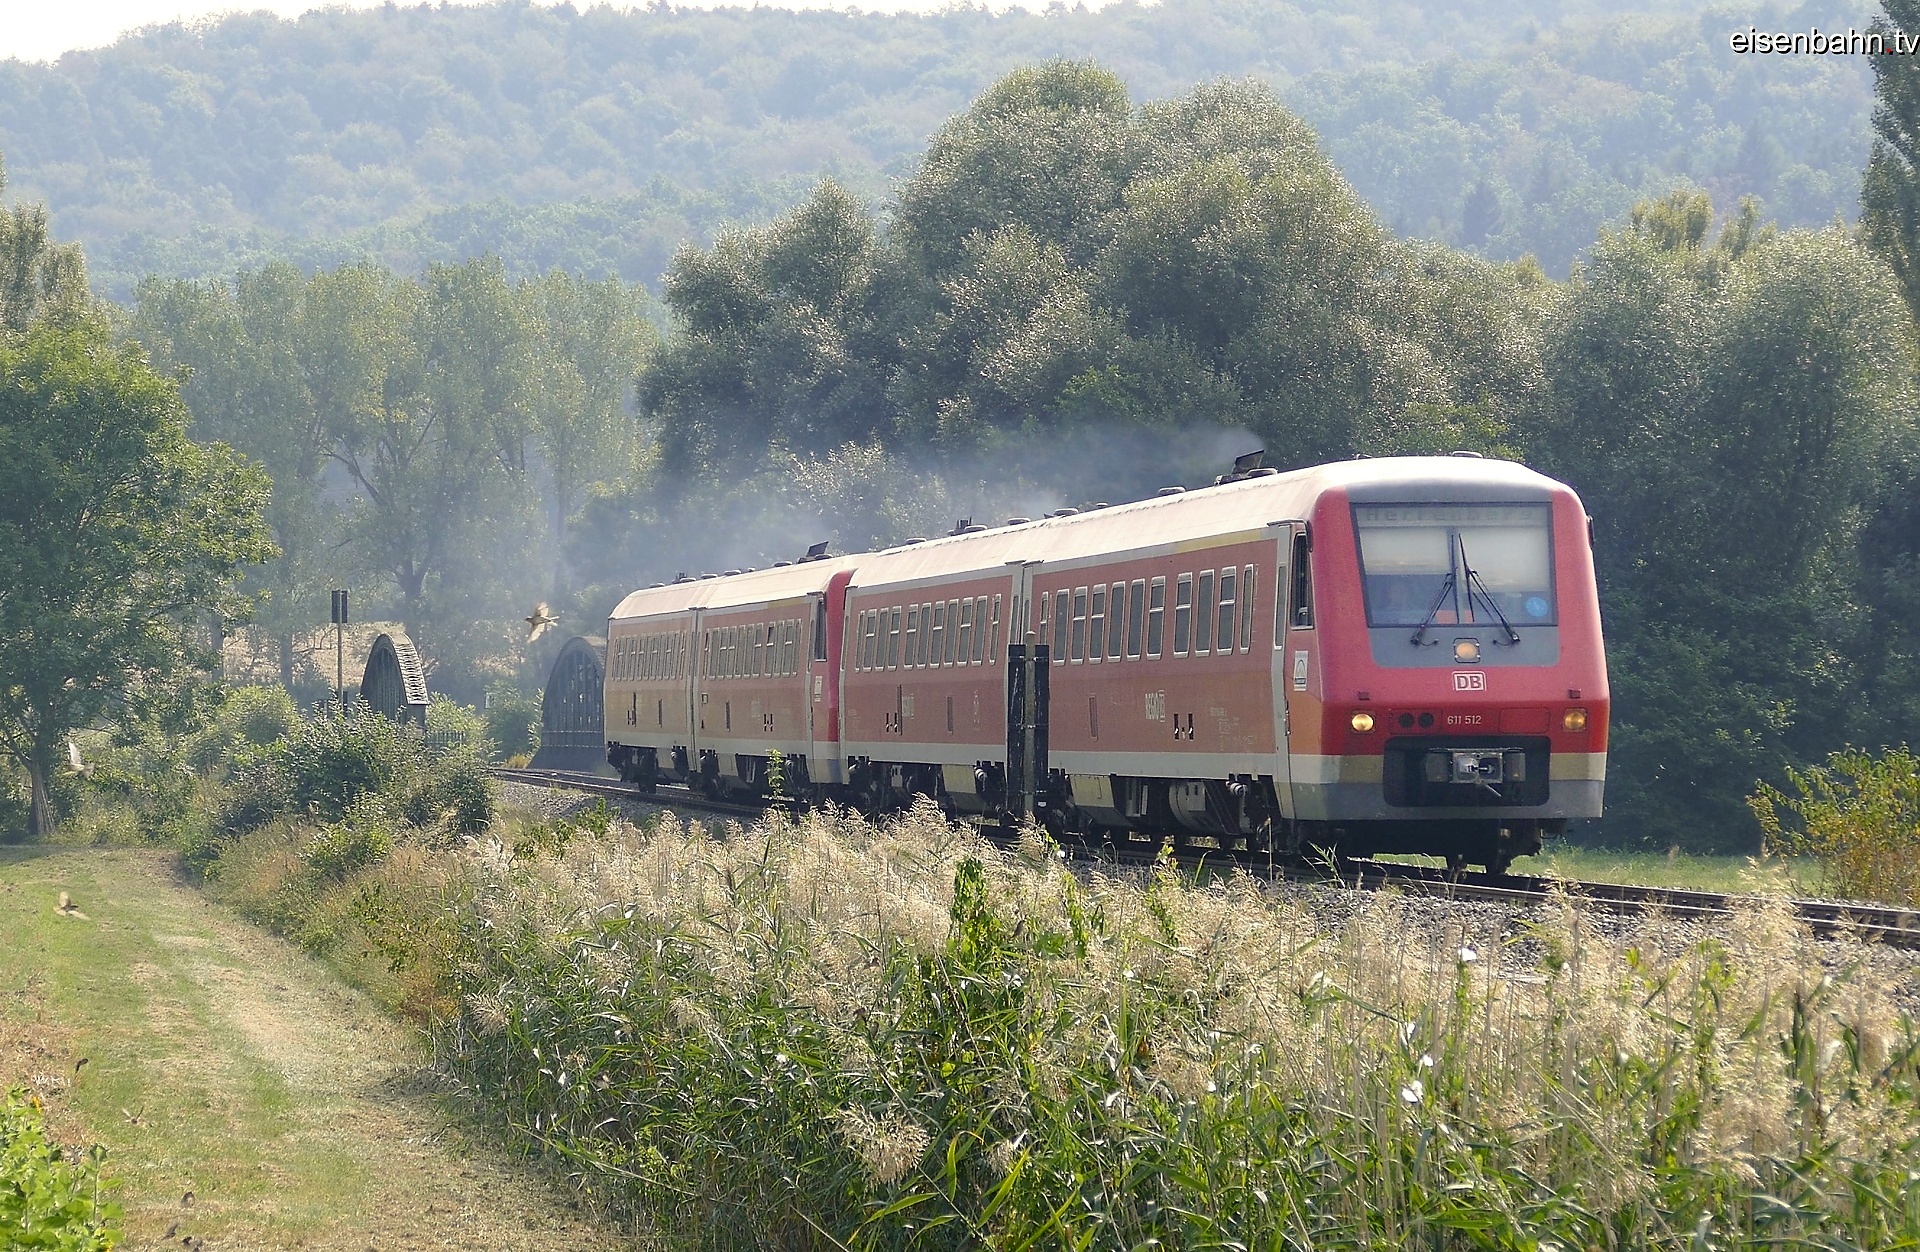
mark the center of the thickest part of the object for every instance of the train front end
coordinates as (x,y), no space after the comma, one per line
(1456,699)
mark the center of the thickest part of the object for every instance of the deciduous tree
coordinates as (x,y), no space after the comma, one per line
(117,534)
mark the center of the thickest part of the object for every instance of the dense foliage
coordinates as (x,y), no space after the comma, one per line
(596,139)
(50,1200)
(1858,816)
(429,439)
(117,535)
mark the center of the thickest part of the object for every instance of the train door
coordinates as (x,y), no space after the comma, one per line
(696,686)
(1028,677)
(1288,587)
(826,636)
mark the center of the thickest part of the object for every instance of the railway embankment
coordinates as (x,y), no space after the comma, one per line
(822,1030)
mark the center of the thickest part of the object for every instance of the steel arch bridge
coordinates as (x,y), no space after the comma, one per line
(394,683)
(571,711)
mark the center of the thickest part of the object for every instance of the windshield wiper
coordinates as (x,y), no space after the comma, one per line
(1426,623)
(1476,587)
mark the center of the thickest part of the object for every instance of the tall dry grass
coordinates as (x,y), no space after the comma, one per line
(816,1033)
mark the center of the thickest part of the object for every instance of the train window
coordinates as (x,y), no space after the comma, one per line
(1079,623)
(1203,616)
(1448,563)
(820,629)
(965,631)
(993,642)
(936,644)
(1117,621)
(1223,631)
(1300,615)
(1246,608)
(923,656)
(953,636)
(1097,624)
(893,638)
(706,653)
(1183,615)
(1061,626)
(913,632)
(1136,616)
(1156,616)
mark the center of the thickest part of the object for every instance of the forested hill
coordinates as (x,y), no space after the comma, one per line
(598,140)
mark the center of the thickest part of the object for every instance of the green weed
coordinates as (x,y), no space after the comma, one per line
(47,1200)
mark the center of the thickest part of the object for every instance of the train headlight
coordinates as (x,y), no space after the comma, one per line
(1362,723)
(1574,720)
(1466,652)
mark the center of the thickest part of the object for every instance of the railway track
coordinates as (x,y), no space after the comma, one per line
(1895,927)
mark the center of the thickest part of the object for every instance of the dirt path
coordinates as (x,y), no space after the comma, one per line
(245,1096)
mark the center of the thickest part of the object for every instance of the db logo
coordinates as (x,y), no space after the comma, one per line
(1469,680)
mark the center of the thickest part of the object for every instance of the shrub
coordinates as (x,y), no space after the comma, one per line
(46,1200)
(248,717)
(513,721)
(453,727)
(331,762)
(458,791)
(1858,816)
(364,838)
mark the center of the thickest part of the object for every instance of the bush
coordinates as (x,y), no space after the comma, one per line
(365,838)
(457,791)
(513,721)
(248,717)
(1858,816)
(331,762)
(453,727)
(47,1201)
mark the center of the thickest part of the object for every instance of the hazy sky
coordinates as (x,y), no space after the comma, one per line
(40,30)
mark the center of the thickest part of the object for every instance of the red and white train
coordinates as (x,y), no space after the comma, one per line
(1389,655)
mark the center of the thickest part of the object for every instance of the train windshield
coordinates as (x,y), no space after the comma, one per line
(1456,564)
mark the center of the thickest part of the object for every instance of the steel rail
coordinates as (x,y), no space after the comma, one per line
(1891,925)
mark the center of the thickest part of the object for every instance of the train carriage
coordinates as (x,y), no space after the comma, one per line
(1401,654)
(709,679)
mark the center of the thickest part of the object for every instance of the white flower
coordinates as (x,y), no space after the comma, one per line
(1426,1061)
(1408,1030)
(1468,956)
(1127,973)
(1414,1092)
(779,1058)
(1210,1086)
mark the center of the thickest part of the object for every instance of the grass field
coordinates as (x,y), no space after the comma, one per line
(1676,869)
(243,1094)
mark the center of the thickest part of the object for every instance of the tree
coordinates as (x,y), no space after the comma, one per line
(590,340)
(117,533)
(252,383)
(38,277)
(1890,193)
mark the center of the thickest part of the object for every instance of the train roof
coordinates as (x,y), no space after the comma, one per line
(1244,507)
(1237,508)
(735,591)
